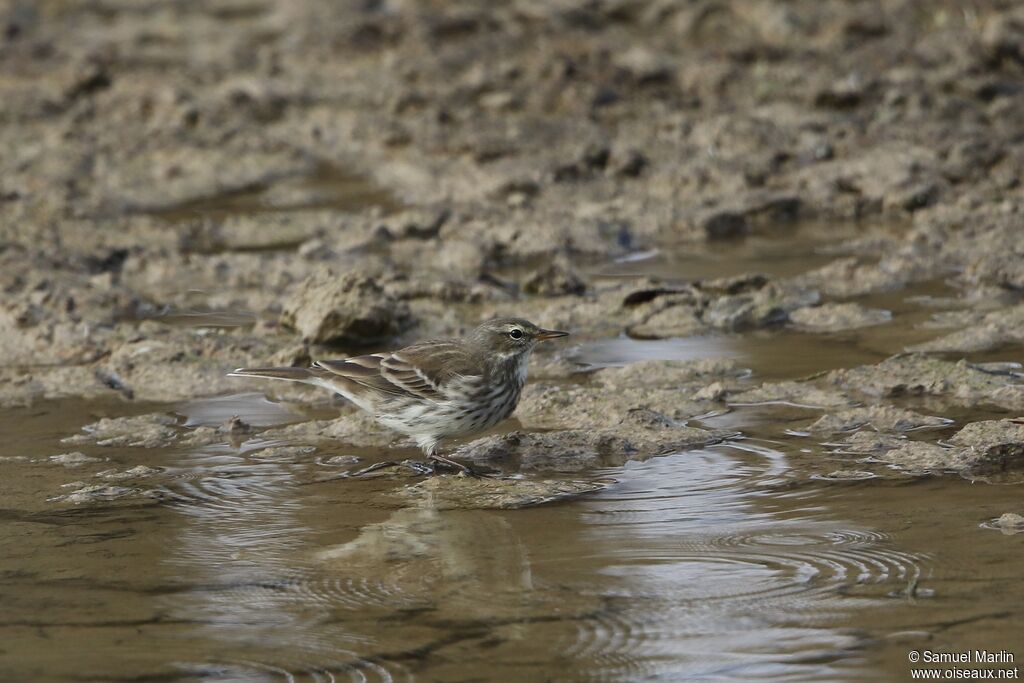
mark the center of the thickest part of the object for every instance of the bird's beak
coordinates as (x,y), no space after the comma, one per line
(550,334)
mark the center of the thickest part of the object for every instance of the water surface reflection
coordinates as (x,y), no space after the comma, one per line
(680,559)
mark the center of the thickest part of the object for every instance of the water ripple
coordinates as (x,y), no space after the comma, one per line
(356,670)
(708,561)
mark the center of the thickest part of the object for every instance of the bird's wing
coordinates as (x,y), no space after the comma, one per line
(420,371)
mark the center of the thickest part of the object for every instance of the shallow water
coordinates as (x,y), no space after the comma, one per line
(715,563)
(738,562)
(786,249)
(326,187)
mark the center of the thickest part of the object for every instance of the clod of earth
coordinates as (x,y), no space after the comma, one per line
(141,431)
(991,331)
(350,308)
(921,375)
(980,449)
(880,418)
(837,317)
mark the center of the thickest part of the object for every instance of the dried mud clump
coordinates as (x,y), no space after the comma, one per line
(922,376)
(739,304)
(141,431)
(836,317)
(1004,327)
(981,449)
(878,418)
(346,309)
(992,446)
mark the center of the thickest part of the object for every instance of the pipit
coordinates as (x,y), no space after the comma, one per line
(434,389)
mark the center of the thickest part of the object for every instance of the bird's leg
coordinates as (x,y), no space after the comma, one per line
(463,469)
(436,459)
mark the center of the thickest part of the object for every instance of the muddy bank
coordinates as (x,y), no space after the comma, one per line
(192,189)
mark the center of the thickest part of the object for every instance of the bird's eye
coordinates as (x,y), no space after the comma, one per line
(515,333)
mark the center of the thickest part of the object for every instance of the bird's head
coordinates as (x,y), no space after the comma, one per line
(510,337)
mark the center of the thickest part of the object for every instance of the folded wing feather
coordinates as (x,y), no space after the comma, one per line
(420,371)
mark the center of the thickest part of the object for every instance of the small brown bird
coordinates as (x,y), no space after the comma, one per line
(434,389)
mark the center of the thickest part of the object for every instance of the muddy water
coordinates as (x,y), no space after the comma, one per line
(232,562)
(325,187)
(784,249)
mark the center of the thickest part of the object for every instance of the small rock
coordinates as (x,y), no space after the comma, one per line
(351,308)
(992,445)
(680,320)
(770,305)
(419,224)
(140,431)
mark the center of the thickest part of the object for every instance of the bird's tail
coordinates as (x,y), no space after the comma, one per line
(307,375)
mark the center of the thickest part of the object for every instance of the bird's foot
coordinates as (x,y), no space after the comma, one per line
(457,466)
(419,468)
(375,467)
(429,468)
